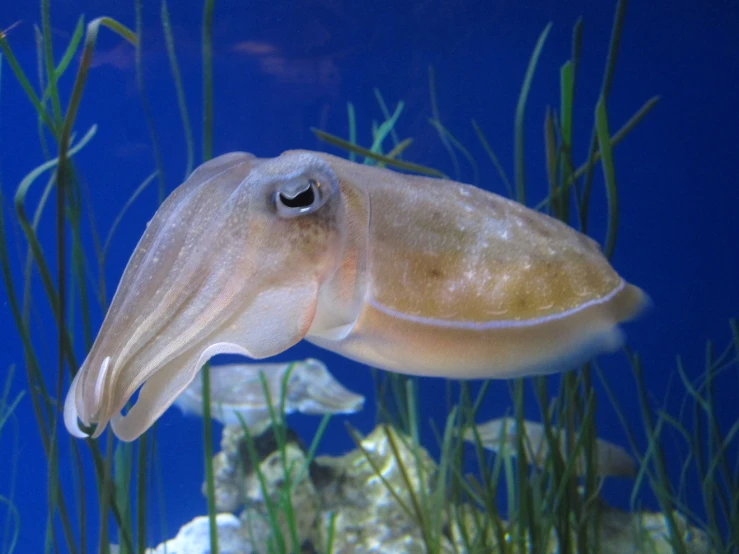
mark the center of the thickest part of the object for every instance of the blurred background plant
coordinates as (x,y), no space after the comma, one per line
(11,521)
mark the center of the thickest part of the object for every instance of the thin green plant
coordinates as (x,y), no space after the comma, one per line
(8,405)
(62,291)
(292,475)
(553,499)
(709,449)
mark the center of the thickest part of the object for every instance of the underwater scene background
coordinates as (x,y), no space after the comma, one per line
(282,70)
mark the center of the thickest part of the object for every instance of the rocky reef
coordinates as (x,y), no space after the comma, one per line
(361,503)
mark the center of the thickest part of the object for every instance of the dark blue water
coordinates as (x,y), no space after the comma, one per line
(678,177)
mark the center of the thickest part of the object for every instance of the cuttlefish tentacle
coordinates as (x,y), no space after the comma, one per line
(153,396)
(406,273)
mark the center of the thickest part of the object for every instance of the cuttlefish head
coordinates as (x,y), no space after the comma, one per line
(232,262)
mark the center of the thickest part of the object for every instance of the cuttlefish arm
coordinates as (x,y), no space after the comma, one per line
(405,273)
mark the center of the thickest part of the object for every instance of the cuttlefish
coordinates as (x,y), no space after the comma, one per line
(410,274)
(237,393)
(501,436)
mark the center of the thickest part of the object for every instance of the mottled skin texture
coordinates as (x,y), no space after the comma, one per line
(405,273)
(463,283)
(475,257)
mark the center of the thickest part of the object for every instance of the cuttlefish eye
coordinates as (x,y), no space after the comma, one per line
(301,197)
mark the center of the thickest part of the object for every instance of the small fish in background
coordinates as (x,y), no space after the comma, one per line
(236,389)
(500,435)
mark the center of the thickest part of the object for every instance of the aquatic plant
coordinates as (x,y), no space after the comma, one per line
(551,499)
(56,124)
(114,469)
(554,498)
(283,516)
(711,451)
(10,526)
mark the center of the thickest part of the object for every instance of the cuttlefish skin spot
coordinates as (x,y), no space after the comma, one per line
(406,273)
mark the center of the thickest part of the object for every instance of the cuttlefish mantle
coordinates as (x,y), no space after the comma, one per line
(406,273)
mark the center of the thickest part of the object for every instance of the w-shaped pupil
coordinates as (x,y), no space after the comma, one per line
(304,199)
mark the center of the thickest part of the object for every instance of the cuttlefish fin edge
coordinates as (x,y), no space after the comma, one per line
(501,352)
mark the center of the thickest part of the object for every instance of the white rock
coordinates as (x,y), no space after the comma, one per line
(194,537)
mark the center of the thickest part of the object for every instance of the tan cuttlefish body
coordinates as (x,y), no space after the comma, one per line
(406,273)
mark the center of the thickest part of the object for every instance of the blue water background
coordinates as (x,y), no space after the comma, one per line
(677,173)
